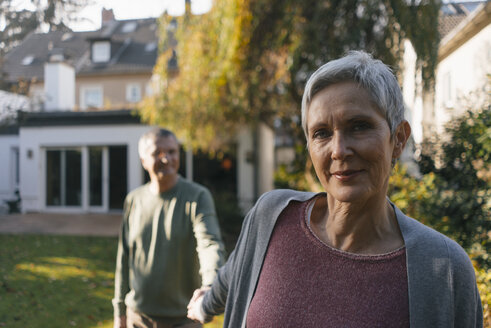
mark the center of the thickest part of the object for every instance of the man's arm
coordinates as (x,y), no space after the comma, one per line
(211,252)
(121,284)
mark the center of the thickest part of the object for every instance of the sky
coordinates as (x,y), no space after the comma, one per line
(129,10)
(134,9)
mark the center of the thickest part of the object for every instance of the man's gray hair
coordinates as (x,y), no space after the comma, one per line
(373,75)
(151,136)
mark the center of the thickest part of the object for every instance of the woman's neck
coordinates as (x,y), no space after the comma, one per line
(369,228)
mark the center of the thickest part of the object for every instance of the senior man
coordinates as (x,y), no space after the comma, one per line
(169,244)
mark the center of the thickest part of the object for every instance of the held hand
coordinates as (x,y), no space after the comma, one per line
(120,322)
(195,312)
(198,293)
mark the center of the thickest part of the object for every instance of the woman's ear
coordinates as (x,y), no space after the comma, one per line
(403,131)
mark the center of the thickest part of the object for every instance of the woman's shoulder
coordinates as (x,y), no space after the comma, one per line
(430,242)
(284,196)
(269,206)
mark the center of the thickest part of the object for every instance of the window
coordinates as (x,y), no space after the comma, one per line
(133,92)
(64,177)
(91,97)
(87,177)
(129,27)
(101,51)
(27,60)
(95,176)
(150,46)
(149,89)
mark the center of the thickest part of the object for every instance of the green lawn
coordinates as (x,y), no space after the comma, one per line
(57,281)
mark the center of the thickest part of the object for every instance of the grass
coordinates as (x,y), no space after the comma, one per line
(58,281)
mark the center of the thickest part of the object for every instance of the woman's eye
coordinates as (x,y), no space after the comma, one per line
(361,126)
(320,134)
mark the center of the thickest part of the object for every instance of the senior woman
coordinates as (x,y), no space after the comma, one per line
(347,257)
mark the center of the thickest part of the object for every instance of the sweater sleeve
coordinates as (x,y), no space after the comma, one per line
(467,302)
(215,299)
(209,247)
(121,281)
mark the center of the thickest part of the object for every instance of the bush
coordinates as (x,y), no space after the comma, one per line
(421,199)
(461,202)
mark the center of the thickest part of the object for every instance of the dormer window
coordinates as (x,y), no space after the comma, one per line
(101,51)
(27,60)
(150,46)
(129,27)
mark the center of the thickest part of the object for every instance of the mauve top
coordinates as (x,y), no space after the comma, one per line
(306,283)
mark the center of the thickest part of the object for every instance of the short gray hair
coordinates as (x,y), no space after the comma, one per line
(373,75)
(152,135)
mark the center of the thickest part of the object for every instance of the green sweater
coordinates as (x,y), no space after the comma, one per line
(169,245)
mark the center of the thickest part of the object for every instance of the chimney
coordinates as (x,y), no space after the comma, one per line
(107,16)
(59,86)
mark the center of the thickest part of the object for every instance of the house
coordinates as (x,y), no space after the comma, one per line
(464,64)
(78,153)
(463,67)
(112,66)
(9,142)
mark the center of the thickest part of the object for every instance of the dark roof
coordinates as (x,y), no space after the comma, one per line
(70,118)
(132,50)
(451,14)
(10,128)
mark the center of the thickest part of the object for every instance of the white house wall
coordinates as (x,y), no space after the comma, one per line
(245,164)
(460,74)
(33,143)
(8,145)
(412,92)
(245,169)
(266,158)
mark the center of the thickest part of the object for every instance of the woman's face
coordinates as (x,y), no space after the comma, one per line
(350,143)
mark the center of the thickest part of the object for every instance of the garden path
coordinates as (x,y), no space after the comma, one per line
(91,224)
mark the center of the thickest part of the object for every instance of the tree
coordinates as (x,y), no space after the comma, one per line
(54,14)
(246,61)
(230,63)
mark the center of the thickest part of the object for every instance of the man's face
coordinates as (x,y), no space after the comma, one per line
(161,159)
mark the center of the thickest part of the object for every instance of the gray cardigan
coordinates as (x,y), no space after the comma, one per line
(441,280)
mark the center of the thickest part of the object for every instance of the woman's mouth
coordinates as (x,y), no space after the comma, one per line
(346,175)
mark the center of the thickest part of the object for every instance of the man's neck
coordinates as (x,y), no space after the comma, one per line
(163,185)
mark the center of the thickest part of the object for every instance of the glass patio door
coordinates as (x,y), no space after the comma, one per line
(96,177)
(64,177)
(93,178)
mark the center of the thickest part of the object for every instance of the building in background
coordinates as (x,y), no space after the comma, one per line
(78,150)
(75,150)
(112,66)
(10,103)
(462,73)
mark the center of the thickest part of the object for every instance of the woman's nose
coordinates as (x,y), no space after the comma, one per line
(340,147)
